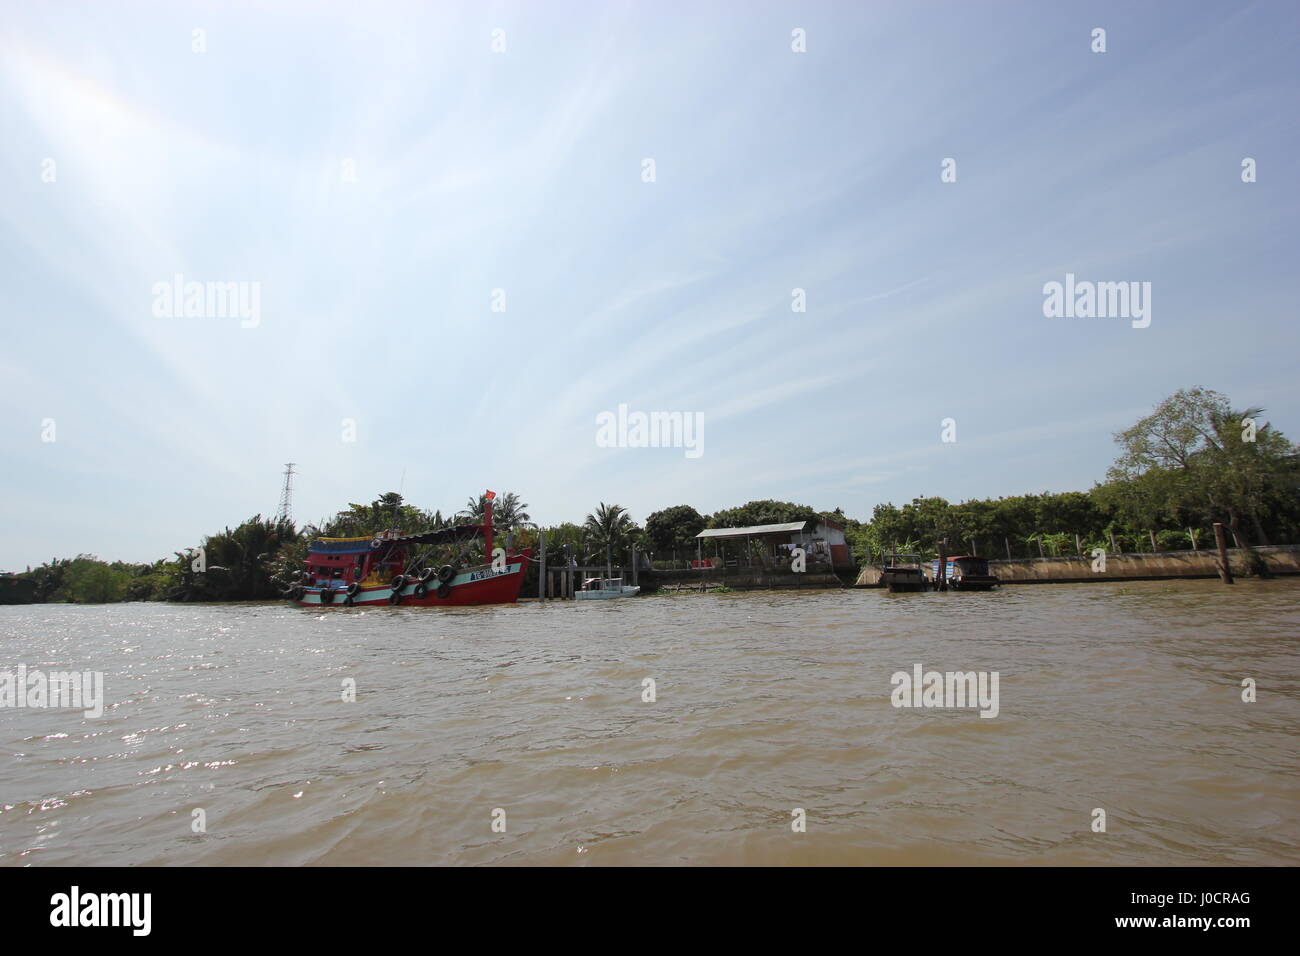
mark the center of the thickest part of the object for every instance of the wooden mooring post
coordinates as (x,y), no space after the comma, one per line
(1221,540)
(941,579)
(542,581)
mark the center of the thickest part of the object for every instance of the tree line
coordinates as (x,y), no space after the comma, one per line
(1194,460)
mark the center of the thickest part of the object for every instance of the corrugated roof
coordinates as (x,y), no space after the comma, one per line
(787,528)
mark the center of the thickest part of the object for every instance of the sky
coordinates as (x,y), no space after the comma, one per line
(461,259)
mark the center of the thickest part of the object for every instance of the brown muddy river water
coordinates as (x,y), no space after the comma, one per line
(1126,698)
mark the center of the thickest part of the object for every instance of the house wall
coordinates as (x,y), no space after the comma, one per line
(841,556)
(833,536)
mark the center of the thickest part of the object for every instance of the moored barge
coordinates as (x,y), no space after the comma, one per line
(903,572)
(966,572)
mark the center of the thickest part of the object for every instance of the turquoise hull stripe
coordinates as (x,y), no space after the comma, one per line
(465,577)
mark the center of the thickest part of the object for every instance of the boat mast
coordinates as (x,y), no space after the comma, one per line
(487,526)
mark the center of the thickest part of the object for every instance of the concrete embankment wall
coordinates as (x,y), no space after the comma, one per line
(1283,559)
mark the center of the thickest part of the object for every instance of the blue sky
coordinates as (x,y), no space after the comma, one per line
(521,170)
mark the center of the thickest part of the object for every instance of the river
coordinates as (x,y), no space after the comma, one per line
(523,734)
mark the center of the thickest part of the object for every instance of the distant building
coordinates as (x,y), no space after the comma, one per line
(772,545)
(833,534)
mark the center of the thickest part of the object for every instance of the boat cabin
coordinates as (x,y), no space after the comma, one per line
(903,572)
(373,560)
(966,572)
(339,562)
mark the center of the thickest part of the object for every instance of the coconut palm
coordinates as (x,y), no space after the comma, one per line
(239,563)
(609,530)
(507,511)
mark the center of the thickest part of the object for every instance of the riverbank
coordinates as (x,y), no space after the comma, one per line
(1076,569)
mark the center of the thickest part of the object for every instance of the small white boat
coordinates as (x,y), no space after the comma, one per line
(602,589)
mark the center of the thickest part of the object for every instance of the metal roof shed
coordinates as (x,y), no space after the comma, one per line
(766,532)
(790,527)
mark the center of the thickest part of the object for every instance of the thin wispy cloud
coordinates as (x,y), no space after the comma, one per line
(388,181)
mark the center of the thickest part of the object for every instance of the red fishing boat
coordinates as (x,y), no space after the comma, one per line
(385,569)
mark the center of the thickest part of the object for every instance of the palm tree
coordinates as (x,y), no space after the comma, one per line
(239,562)
(507,511)
(608,530)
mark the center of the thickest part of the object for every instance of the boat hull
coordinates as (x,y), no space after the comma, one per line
(899,581)
(475,586)
(973,582)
